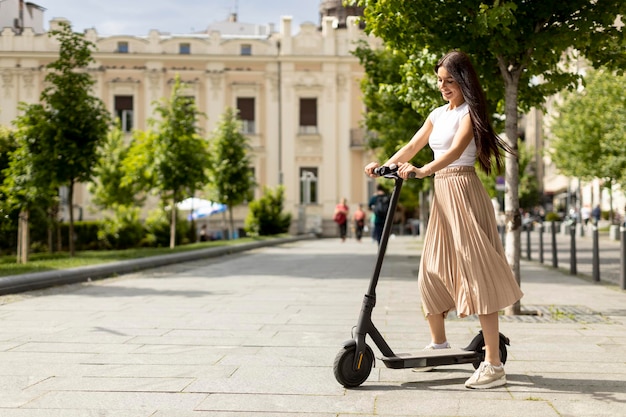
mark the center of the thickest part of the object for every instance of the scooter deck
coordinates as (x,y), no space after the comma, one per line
(435,357)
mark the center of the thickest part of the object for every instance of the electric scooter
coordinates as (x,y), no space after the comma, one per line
(355,360)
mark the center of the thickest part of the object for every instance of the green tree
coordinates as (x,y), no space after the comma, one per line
(390,118)
(28,184)
(588,130)
(518,48)
(230,175)
(529,196)
(171,157)
(8,144)
(109,189)
(70,123)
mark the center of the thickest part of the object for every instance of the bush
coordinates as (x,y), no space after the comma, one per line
(552,217)
(85,234)
(122,231)
(265,215)
(37,223)
(158,229)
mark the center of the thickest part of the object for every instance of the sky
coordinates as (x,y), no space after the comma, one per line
(138,17)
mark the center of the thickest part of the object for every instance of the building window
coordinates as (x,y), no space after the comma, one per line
(246,49)
(308,185)
(308,116)
(245,105)
(122,47)
(184,48)
(124,112)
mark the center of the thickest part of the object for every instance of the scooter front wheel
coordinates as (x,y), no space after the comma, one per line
(344,370)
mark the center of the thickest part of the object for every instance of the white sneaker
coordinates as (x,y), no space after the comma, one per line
(432,346)
(487,376)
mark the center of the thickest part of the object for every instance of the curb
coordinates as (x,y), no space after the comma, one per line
(13,284)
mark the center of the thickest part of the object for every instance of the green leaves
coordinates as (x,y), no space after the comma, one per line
(589,133)
(524,39)
(231,179)
(112,187)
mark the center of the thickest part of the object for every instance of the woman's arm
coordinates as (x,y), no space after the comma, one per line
(416,144)
(462,138)
(408,151)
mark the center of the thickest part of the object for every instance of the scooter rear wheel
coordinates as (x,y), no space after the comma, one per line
(503,352)
(344,371)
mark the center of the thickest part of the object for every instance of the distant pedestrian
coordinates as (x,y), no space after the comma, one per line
(585,214)
(203,234)
(359,222)
(379,204)
(341,218)
(596,213)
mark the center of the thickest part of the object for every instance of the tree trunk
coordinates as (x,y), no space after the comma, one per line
(225,224)
(231,224)
(59,237)
(611,211)
(70,207)
(173,225)
(23,239)
(513,219)
(18,258)
(51,222)
(54,228)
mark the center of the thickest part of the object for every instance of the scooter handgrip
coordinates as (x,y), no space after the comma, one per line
(384,170)
(412,175)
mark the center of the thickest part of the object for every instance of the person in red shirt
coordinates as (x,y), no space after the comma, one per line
(359,222)
(341,218)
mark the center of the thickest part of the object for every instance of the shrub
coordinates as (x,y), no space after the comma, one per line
(265,215)
(552,217)
(85,234)
(122,231)
(158,229)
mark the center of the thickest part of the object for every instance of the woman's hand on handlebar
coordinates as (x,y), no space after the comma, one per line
(407,170)
(369,169)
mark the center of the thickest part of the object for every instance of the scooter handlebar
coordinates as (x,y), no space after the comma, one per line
(385,170)
(389,170)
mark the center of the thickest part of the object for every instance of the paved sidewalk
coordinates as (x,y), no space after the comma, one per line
(609,253)
(255,334)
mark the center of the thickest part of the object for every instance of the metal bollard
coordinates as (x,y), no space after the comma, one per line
(572,250)
(595,260)
(555,260)
(623,247)
(528,242)
(541,243)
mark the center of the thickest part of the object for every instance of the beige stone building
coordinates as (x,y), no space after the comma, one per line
(298,96)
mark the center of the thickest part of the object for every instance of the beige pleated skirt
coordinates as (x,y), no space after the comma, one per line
(463,264)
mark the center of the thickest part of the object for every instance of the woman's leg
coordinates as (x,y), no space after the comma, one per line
(491,333)
(437,328)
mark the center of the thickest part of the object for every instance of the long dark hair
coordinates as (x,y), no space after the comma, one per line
(488,144)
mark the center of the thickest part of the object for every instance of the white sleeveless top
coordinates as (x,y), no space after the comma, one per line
(445,125)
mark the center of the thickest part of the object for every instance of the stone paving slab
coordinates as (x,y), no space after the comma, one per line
(256,334)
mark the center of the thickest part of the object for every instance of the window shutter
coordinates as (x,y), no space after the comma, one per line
(245,105)
(308,112)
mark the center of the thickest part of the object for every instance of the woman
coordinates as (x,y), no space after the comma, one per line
(463,265)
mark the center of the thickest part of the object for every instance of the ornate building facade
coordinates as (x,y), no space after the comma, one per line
(298,96)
